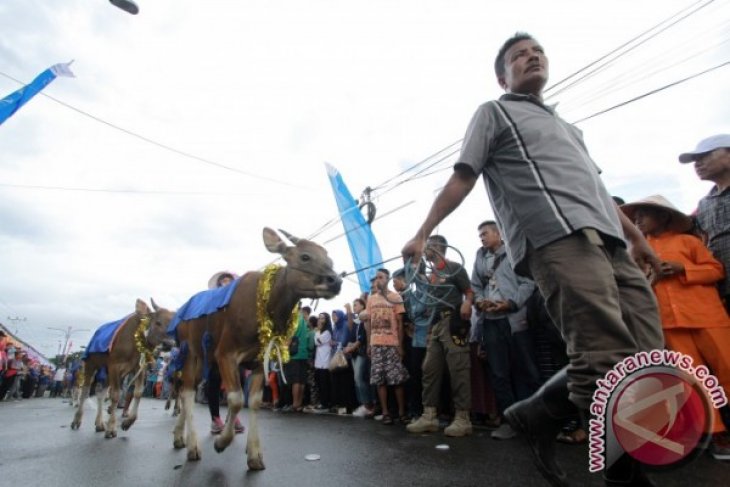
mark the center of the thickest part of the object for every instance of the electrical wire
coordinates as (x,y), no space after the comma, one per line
(652,92)
(118,191)
(624,45)
(160,144)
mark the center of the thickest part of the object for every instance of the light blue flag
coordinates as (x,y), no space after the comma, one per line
(363,246)
(12,103)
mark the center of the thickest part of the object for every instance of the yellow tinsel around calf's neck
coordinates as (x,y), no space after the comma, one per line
(140,340)
(266,324)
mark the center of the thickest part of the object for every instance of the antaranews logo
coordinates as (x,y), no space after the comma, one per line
(654,406)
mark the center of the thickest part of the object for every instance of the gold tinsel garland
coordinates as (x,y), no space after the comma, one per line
(266,324)
(140,340)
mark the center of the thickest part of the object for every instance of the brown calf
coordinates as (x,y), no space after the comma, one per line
(235,337)
(123,359)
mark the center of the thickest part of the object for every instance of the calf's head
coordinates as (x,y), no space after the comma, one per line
(159,319)
(309,269)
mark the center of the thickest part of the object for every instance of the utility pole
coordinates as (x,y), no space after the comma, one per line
(67,335)
(16,320)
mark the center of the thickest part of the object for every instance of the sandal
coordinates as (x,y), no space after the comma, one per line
(387,420)
(405,419)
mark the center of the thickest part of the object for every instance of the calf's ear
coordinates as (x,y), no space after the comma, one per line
(154,305)
(273,242)
(141,307)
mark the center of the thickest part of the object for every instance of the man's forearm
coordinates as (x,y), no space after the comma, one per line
(457,188)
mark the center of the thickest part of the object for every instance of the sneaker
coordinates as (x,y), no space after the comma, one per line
(238,427)
(321,410)
(361,412)
(378,417)
(504,432)
(342,411)
(216,426)
(720,446)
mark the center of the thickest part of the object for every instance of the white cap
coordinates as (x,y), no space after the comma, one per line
(706,145)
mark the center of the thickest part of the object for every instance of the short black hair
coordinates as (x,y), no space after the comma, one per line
(361,301)
(619,200)
(399,273)
(485,223)
(307,310)
(384,271)
(438,239)
(499,68)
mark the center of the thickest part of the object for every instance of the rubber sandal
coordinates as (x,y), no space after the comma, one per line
(387,420)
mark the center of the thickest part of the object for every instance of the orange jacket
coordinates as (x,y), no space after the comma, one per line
(689,300)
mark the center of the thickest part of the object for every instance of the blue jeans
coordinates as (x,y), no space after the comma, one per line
(511,362)
(361,370)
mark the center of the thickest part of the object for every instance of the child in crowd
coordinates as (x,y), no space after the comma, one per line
(385,345)
(693,317)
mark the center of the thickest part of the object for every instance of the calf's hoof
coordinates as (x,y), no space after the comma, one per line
(256,463)
(220,445)
(178,444)
(193,454)
(127,423)
(110,434)
(75,424)
(100,428)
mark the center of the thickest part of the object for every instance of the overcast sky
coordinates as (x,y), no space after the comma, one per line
(92,218)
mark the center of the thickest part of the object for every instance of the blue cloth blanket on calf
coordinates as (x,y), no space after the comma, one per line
(203,303)
(103,337)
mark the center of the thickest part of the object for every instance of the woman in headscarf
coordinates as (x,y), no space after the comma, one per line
(343,382)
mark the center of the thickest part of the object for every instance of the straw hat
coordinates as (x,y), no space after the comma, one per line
(679,222)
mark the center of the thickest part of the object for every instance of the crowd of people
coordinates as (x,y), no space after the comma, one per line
(22,377)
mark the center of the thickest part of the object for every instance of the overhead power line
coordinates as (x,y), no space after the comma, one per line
(160,144)
(652,92)
(625,44)
(119,191)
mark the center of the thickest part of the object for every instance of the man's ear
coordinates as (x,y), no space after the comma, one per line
(502,82)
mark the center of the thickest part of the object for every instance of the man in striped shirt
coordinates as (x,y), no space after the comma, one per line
(562,229)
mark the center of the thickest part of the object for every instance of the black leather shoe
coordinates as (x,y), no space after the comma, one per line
(539,418)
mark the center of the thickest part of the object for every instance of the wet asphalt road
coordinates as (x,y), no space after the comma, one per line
(38,448)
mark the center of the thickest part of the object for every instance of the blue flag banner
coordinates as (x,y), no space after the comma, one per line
(12,103)
(363,246)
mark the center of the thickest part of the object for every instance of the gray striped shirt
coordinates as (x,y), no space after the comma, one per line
(541,181)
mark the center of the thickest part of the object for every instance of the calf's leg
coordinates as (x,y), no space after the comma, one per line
(101,392)
(76,422)
(228,368)
(132,417)
(253,446)
(188,399)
